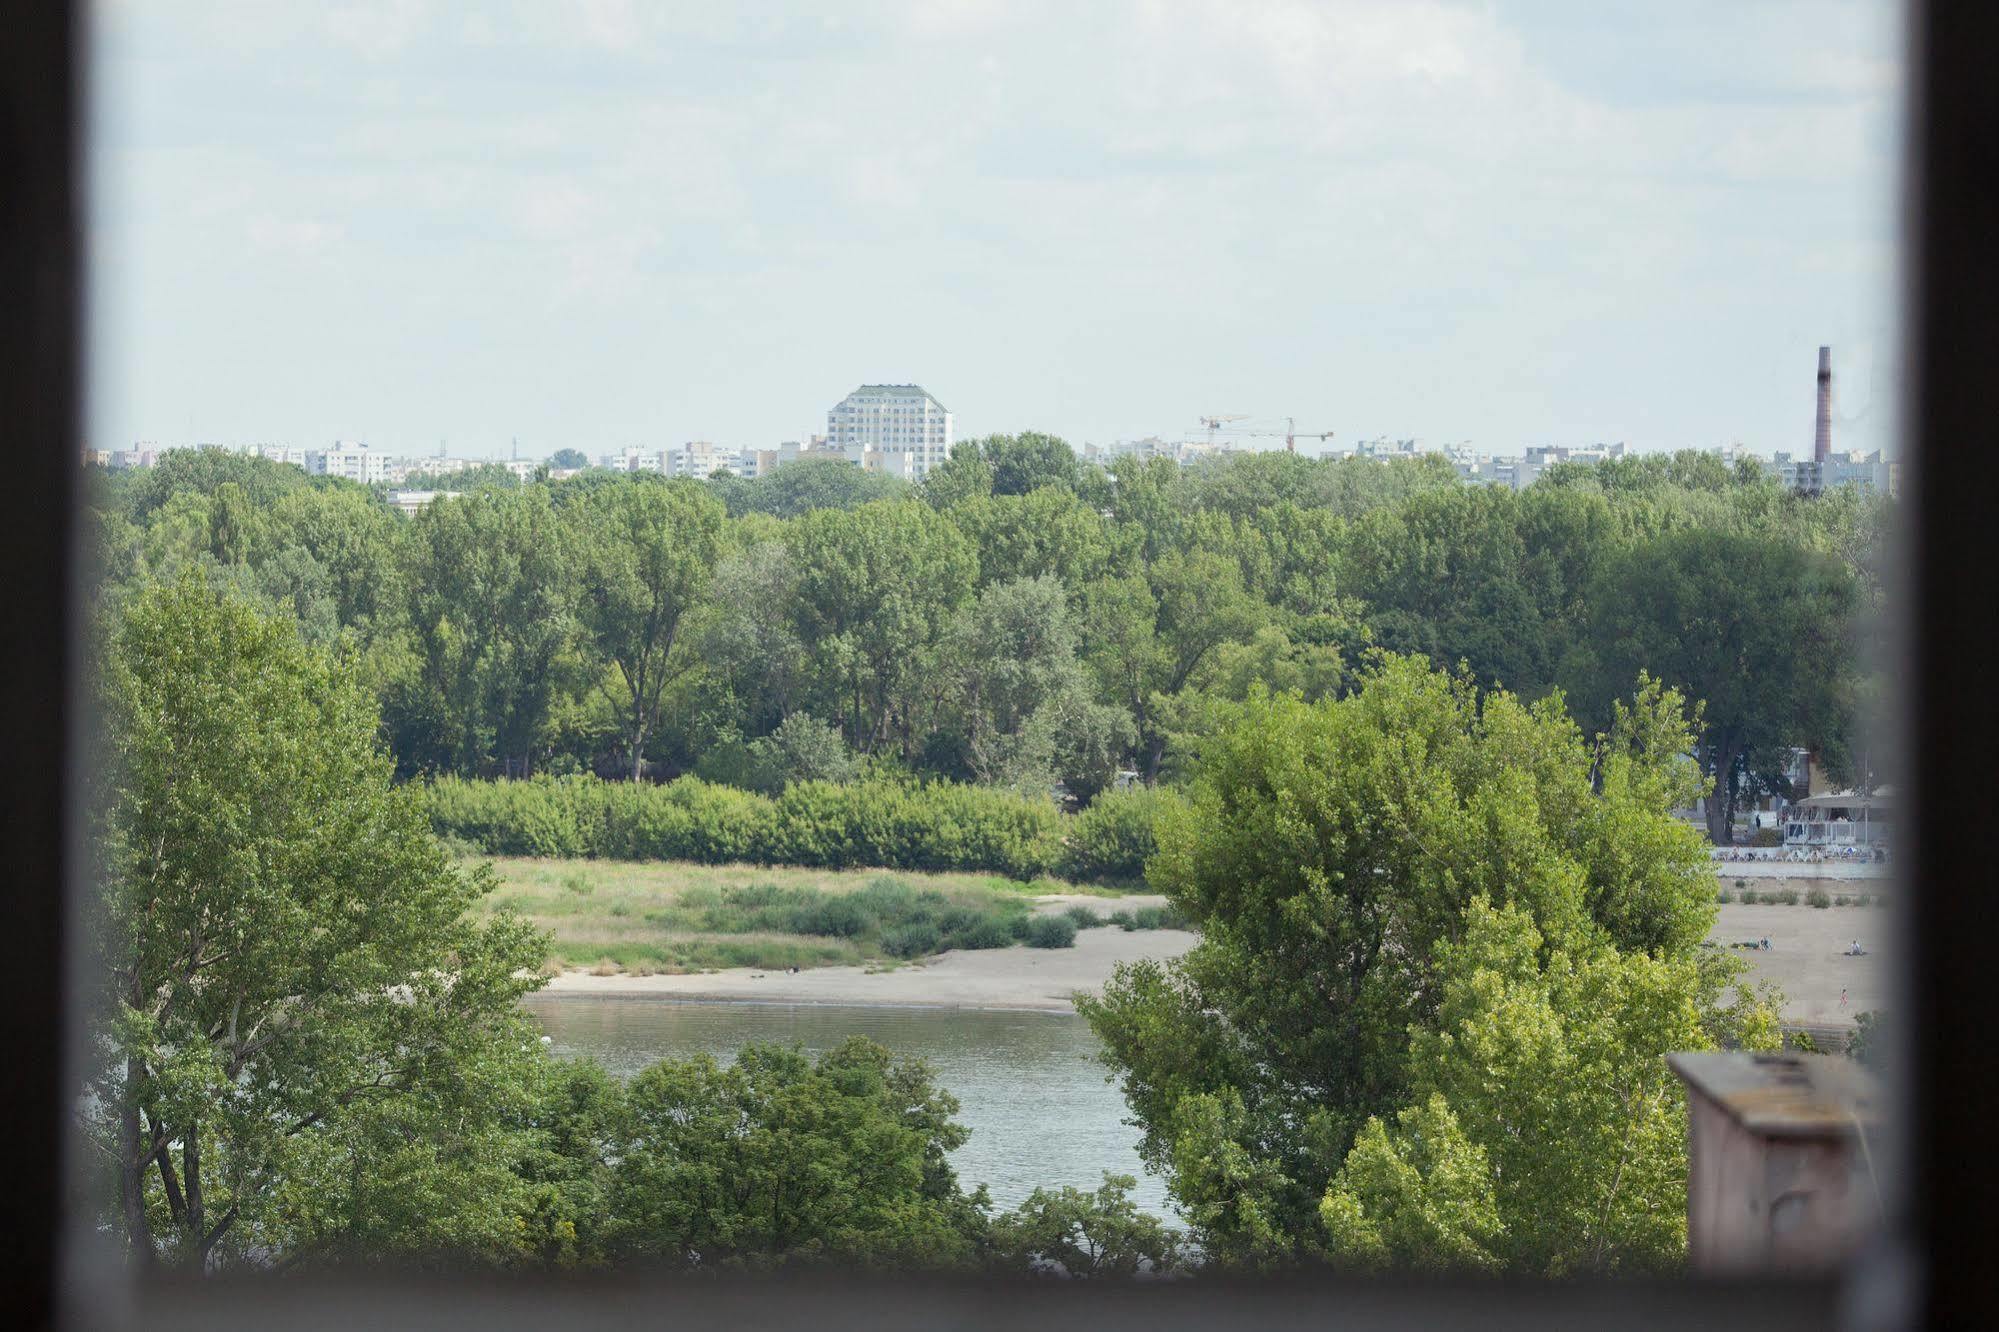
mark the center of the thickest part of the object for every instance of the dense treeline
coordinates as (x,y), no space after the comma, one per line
(1020,618)
(817,823)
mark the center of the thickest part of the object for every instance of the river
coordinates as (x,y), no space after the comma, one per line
(1028,1083)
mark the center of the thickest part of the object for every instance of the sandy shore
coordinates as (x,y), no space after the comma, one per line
(1806,959)
(1032,978)
(1807,956)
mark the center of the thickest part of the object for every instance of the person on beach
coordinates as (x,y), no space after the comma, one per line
(1842,998)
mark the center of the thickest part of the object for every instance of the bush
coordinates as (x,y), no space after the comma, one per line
(1124,920)
(984,932)
(1724,897)
(899,826)
(1818,897)
(919,938)
(1017,927)
(1111,840)
(1789,897)
(839,916)
(1768,837)
(1085,918)
(1051,932)
(1749,897)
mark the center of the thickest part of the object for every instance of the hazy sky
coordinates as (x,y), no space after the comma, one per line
(604,223)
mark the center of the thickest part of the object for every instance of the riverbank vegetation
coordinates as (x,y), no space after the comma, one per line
(1021,619)
(647,918)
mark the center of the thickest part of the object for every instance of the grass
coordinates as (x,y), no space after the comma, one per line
(669,917)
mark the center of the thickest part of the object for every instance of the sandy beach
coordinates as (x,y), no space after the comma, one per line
(1020,978)
(1806,958)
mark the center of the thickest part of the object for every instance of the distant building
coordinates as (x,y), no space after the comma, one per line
(893,419)
(407,502)
(349,461)
(278,453)
(1812,476)
(701,459)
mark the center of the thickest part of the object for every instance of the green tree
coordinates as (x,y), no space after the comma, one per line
(568,459)
(1024,698)
(780,1158)
(1326,853)
(810,484)
(876,588)
(1418,1196)
(1757,627)
(491,598)
(289,975)
(1086,1234)
(645,554)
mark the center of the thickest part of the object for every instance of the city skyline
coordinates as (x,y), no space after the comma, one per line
(601,226)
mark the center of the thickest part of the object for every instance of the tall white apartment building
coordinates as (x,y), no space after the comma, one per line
(354,462)
(892,418)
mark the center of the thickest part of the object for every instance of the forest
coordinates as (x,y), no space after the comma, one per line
(1022,620)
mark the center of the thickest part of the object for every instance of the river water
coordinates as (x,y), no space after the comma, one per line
(1029,1086)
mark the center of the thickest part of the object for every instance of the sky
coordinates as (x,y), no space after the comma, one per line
(599,224)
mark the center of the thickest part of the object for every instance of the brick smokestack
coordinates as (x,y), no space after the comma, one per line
(1822,434)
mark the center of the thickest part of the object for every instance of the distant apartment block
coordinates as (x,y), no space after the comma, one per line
(893,419)
(1870,471)
(407,502)
(350,462)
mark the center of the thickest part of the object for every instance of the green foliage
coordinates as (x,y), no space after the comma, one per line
(1419,1196)
(1085,1235)
(1819,897)
(1051,932)
(1423,889)
(783,1159)
(936,827)
(1111,840)
(1084,918)
(306,1044)
(916,939)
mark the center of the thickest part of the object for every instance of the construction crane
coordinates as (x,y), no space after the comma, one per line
(1214,423)
(1289,432)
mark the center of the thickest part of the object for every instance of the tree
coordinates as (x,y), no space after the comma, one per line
(1023,697)
(1755,626)
(645,555)
(568,460)
(1327,853)
(876,588)
(291,986)
(491,608)
(811,484)
(1555,1132)
(804,749)
(780,1158)
(1086,1235)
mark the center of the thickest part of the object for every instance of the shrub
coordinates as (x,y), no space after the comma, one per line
(1085,918)
(1818,897)
(1724,897)
(1051,932)
(1017,927)
(984,932)
(839,916)
(1124,920)
(1767,837)
(1749,897)
(1166,917)
(1111,840)
(1789,897)
(919,938)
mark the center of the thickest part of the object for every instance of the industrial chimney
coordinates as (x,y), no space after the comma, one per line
(1822,435)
